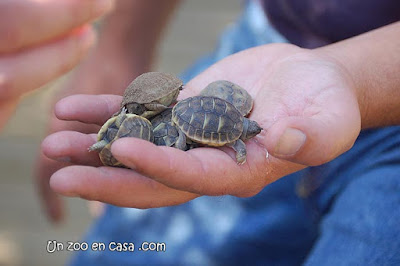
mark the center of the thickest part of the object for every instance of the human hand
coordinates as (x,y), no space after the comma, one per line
(93,76)
(304,100)
(124,50)
(41,40)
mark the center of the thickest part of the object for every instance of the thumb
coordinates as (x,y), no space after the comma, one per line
(311,140)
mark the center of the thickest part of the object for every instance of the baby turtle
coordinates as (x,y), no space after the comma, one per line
(151,93)
(121,126)
(214,122)
(231,93)
(165,133)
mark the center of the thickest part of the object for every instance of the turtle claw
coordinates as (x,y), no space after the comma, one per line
(242,162)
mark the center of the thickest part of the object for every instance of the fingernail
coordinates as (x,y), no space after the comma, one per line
(102,6)
(290,142)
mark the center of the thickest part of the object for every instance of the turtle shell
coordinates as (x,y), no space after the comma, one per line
(231,93)
(208,120)
(109,130)
(165,133)
(163,117)
(132,126)
(153,87)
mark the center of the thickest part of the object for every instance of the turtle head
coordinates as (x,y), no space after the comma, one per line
(250,129)
(135,108)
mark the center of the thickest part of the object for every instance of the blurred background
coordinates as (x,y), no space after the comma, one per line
(24,230)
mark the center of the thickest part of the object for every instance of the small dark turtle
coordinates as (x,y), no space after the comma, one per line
(121,126)
(151,93)
(231,93)
(165,133)
(214,122)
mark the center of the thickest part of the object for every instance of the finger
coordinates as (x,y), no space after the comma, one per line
(121,187)
(81,108)
(71,147)
(45,167)
(205,171)
(25,23)
(52,203)
(30,69)
(313,140)
(56,125)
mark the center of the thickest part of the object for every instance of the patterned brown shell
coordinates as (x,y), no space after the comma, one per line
(151,87)
(132,126)
(208,120)
(165,133)
(108,131)
(163,117)
(231,93)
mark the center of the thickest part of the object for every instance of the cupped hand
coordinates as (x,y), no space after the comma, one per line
(304,100)
(41,40)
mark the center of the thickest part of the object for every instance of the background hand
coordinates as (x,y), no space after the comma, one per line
(92,77)
(41,40)
(304,100)
(125,49)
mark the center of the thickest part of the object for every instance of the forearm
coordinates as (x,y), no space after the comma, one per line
(373,61)
(133,29)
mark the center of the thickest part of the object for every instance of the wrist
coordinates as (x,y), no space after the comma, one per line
(372,61)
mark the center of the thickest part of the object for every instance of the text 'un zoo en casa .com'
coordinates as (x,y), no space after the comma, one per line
(54,246)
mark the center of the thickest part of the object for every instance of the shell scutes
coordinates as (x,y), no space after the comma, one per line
(208,120)
(137,127)
(231,93)
(103,130)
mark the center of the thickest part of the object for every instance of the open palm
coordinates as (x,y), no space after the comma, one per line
(303,100)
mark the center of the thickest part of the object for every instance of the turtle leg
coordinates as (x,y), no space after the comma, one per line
(98,145)
(149,114)
(153,109)
(156,107)
(240,148)
(181,141)
(121,117)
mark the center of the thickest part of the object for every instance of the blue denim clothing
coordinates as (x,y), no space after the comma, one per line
(346,212)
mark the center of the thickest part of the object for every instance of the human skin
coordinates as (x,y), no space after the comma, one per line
(312,105)
(127,42)
(41,40)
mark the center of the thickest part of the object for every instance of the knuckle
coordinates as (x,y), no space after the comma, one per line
(251,190)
